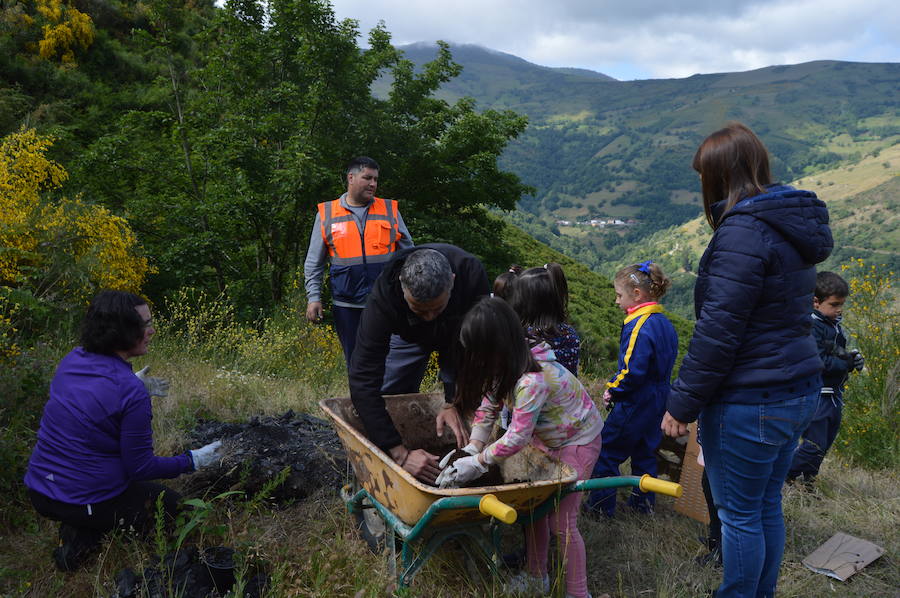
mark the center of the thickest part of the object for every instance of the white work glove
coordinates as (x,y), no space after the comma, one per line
(446,459)
(447,478)
(205,455)
(156,387)
(462,471)
(470,449)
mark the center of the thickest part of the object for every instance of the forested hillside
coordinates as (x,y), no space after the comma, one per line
(605,150)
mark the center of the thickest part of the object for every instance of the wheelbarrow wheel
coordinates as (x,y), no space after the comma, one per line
(369,524)
(371,529)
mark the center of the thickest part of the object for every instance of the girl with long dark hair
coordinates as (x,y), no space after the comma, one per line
(550,409)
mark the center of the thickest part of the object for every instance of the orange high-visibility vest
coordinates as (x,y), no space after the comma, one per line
(358,256)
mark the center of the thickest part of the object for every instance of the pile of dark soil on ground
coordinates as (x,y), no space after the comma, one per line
(254,452)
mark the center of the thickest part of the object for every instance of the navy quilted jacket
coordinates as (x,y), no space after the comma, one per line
(752,301)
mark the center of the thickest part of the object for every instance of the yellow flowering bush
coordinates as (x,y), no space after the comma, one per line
(431,380)
(25,172)
(8,345)
(58,248)
(66,29)
(108,242)
(870,432)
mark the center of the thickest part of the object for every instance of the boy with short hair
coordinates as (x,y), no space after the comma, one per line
(828,306)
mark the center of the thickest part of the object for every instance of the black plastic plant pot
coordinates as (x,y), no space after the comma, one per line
(219,561)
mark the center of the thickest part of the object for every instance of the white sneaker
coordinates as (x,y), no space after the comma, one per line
(524,583)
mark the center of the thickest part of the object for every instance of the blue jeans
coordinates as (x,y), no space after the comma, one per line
(748,449)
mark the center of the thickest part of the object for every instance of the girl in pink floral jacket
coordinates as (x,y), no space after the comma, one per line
(550,409)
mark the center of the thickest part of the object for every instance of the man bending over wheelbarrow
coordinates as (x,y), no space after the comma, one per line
(421,297)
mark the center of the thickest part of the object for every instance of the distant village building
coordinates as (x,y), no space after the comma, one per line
(599,222)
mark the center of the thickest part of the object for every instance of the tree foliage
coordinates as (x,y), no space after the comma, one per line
(53,30)
(258,111)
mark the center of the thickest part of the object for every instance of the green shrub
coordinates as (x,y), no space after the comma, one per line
(869,435)
(24,381)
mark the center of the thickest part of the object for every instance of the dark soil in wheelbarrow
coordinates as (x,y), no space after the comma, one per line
(255,451)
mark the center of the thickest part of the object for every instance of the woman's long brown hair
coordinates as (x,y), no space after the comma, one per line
(733,164)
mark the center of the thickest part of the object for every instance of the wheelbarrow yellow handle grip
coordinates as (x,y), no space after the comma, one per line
(491,505)
(651,484)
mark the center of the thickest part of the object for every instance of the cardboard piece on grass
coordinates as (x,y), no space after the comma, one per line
(842,556)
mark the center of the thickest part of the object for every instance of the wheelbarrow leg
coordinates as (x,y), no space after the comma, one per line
(473,543)
(391,540)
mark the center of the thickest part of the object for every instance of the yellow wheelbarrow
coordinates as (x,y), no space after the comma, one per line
(390,503)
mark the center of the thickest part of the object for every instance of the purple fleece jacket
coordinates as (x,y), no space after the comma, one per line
(95,434)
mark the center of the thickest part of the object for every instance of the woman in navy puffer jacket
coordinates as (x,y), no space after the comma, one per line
(752,372)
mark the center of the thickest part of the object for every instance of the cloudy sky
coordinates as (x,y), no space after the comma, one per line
(641,39)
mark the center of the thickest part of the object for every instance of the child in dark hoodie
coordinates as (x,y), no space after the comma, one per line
(828,307)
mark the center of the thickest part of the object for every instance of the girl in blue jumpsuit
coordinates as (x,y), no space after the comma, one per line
(638,391)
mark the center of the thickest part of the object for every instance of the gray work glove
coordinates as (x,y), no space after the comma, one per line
(205,455)
(859,361)
(462,471)
(156,387)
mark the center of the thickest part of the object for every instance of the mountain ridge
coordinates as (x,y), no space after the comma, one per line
(622,149)
(421,51)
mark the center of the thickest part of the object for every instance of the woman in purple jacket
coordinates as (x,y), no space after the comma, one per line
(94,453)
(752,371)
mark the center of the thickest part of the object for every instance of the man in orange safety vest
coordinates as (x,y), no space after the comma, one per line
(357,233)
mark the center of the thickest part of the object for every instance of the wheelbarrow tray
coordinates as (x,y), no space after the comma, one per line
(528,478)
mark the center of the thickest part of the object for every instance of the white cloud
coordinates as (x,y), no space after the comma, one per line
(649,38)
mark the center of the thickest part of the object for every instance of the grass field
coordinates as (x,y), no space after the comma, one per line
(311,548)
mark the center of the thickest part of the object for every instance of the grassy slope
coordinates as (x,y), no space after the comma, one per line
(312,549)
(311,546)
